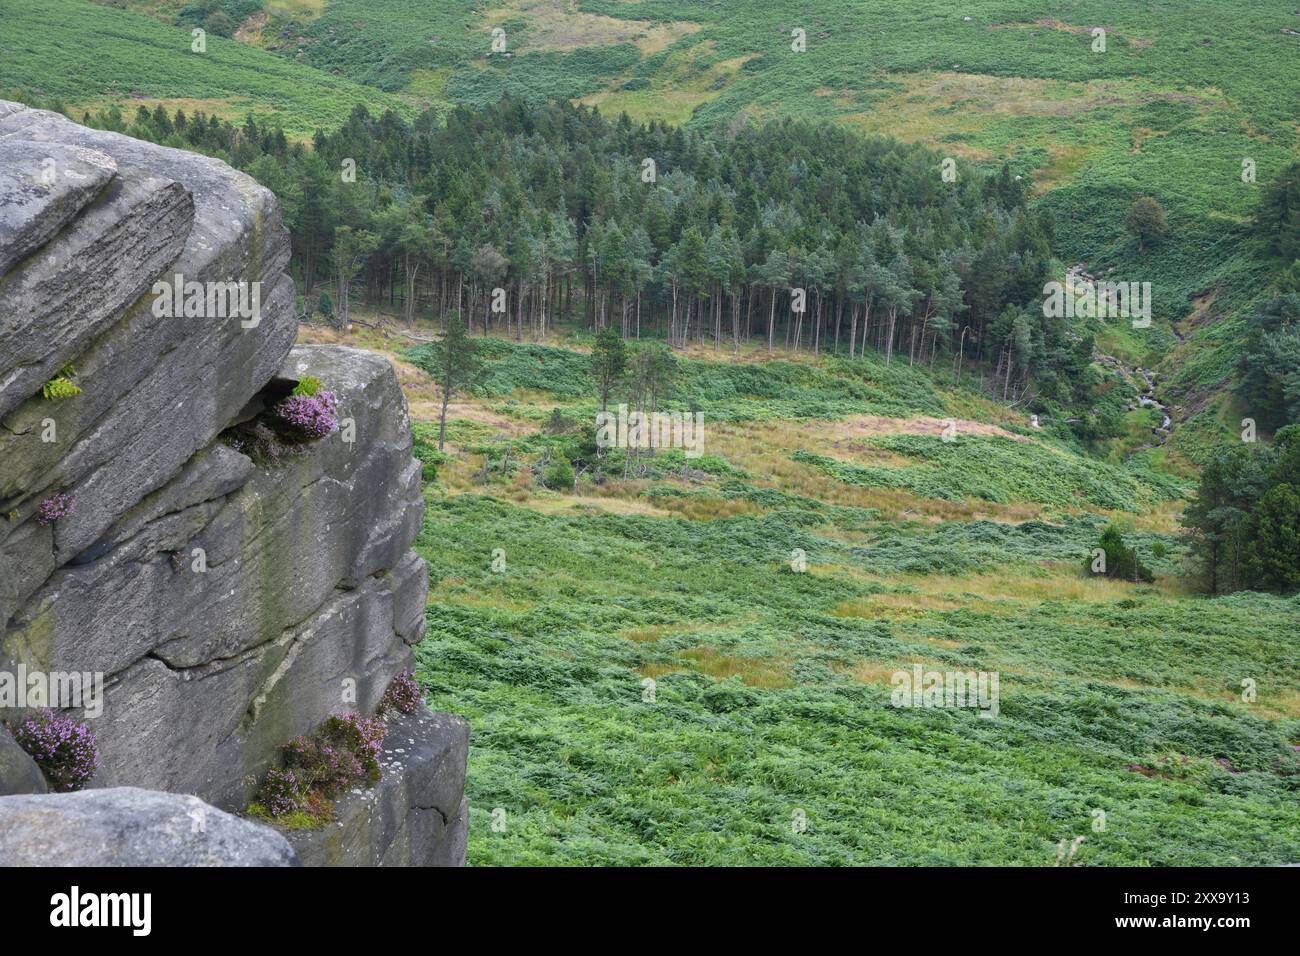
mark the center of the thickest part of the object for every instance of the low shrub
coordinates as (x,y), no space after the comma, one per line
(402,695)
(281,792)
(424,446)
(559,474)
(63,748)
(57,389)
(342,753)
(1122,562)
(309,413)
(308,385)
(309,417)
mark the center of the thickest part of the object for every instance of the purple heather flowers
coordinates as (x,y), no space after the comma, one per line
(343,753)
(367,735)
(311,416)
(280,792)
(63,748)
(54,507)
(402,695)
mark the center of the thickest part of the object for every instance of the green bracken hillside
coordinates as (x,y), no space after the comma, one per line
(92,55)
(651,680)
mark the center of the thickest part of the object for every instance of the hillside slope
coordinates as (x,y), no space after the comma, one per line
(1161,105)
(89,56)
(673,659)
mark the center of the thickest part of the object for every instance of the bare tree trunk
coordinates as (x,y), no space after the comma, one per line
(343,315)
(771,321)
(442,418)
(411,276)
(749,313)
(735,326)
(717,318)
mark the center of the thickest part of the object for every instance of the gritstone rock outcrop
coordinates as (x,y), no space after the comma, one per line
(230,602)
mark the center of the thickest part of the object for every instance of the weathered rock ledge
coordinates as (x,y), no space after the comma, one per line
(229,601)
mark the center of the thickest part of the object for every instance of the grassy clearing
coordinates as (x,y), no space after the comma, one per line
(651,683)
(681,82)
(1001,470)
(558,25)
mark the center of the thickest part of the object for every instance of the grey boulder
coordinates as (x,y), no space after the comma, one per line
(127,826)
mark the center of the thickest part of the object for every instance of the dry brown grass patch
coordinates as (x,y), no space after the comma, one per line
(754,671)
(897,604)
(559,26)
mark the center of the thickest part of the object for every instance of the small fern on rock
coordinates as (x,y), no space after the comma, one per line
(61,386)
(308,385)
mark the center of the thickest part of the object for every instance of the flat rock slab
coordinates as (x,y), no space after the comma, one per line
(61,299)
(127,826)
(42,187)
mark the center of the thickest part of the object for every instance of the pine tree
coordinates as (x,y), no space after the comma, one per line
(1270,362)
(608,363)
(1122,562)
(1278,218)
(456,365)
(348,255)
(1272,561)
(1236,542)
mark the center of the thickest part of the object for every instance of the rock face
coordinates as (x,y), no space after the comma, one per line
(230,597)
(126,826)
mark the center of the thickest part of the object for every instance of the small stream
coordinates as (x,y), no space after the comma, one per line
(1148,400)
(1077,275)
